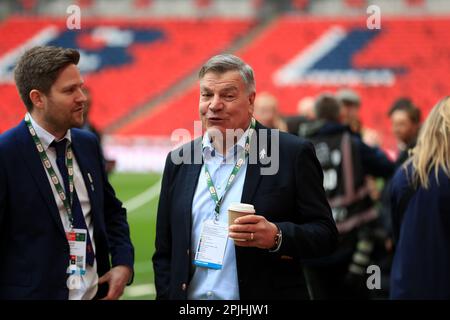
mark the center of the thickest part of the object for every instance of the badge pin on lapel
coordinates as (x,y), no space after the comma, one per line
(91,181)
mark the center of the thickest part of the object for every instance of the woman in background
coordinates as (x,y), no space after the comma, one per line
(420,198)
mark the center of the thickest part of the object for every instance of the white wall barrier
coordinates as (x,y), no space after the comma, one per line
(137,153)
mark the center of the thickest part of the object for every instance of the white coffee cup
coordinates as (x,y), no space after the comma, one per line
(237,209)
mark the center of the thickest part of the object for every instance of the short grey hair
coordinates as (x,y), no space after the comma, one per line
(227,62)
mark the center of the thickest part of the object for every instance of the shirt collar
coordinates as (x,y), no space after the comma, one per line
(209,150)
(46,137)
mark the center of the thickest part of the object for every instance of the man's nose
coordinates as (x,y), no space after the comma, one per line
(81,97)
(216,103)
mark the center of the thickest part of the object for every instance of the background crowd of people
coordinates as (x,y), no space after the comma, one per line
(369,204)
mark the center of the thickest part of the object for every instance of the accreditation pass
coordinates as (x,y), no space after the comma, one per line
(77,243)
(211,245)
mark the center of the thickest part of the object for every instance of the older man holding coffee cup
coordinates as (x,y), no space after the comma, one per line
(229,225)
(237,210)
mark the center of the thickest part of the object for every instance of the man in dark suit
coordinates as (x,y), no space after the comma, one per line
(63,232)
(238,160)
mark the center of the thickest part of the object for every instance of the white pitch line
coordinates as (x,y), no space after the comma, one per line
(143,198)
(140,290)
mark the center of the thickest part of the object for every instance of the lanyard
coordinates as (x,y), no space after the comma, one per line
(234,172)
(48,166)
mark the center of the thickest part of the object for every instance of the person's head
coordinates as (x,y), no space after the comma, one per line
(266,109)
(405,118)
(305,107)
(350,103)
(327,108)
(432,151)
(49,84)
(227,93)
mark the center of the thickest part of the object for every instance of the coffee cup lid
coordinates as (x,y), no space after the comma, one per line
(241,207)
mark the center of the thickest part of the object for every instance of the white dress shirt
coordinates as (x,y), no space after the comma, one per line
(89,281)
(208,283)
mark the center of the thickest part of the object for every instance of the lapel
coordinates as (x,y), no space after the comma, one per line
(34,163)
(253,175)
(85,169)
(192,174)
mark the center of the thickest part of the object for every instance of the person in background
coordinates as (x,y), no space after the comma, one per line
(420,197)
(89,126)
(350,116)
(305,108)
(351,103)
(405,118)
(346,161)
(305,113)
(266,111)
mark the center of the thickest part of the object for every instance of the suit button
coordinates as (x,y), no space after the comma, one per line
(187,251)
(183,287)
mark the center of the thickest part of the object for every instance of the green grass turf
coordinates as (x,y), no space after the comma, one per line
(142,223)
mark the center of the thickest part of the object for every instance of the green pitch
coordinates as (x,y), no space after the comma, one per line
(142,208)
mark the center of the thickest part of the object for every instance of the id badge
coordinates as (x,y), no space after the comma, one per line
(211,245)
(77,242)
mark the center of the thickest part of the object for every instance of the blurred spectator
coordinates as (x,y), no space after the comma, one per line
(371,137)
(87,125)
(305,108)
(345,160)
(420,195)
(305,113)
(405,118)
(109,164)
(350,116)
(266,111)
(350,102)
(351,105)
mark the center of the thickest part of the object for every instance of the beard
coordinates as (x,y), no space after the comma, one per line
(62,120)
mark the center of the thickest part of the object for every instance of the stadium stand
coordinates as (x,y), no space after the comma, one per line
(412,50)
(127,62)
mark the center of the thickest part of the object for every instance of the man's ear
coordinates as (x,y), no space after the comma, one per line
(37,98)
(251,100)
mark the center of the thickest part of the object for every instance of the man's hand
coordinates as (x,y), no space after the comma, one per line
(117,278)
(253,231)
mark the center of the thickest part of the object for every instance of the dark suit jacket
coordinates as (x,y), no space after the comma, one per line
(420,269)
(293,198)
(33,248)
